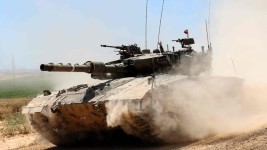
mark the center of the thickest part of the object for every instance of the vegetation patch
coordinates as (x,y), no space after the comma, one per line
(9,107)
(16,124)
(13,122)
(16,93)
(24,87)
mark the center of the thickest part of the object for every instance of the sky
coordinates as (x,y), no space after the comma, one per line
(68,31)
(71,31)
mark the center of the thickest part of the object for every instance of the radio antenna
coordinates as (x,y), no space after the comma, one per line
(207,32)
(160,22)
(209,23)
(208,29)
(234,66)
(146,25)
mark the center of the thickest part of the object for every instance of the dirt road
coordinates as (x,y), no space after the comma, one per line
(255,140)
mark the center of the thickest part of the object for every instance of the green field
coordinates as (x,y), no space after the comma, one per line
(25,87)
(16,93)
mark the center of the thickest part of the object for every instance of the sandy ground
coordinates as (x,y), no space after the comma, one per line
(252,140)
(17,141)
(22,141)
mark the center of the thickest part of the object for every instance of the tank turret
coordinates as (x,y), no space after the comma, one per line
(133,62)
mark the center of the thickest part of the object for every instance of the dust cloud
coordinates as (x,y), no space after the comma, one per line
(195,109)
(238,31)
(209,107)
(63,80)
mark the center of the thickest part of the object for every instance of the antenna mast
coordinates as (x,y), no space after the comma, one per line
(209,23)
(234,66)
(146,25)
(160,21)
(207,32)
(208,29)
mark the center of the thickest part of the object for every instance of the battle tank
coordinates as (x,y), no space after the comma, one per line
(138,80)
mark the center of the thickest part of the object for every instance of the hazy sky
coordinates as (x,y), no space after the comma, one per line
(71,31)
(43,31)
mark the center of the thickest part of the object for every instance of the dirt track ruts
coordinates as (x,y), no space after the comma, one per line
(256,140)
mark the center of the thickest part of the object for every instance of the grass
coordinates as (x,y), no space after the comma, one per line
(24,87)
(16,124)
(13,121)
(9,107)
(14,94)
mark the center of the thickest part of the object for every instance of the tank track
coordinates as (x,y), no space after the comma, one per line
(51,127)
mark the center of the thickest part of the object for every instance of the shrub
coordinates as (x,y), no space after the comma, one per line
(16,124)
(8,107)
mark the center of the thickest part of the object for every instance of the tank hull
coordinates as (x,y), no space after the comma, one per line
(93,113)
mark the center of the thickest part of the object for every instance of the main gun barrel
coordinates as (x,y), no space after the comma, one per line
(66,68)
(88,67)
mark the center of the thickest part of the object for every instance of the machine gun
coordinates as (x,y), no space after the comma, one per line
(186,43)
(126,51)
